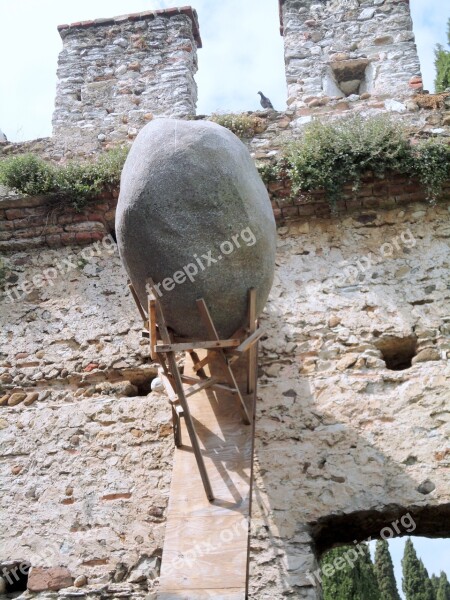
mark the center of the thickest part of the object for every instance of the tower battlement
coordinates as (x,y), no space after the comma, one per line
(343,48)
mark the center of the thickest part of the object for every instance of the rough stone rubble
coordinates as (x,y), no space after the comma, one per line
(338,432)
(345,445)
(114,77)
(348,48)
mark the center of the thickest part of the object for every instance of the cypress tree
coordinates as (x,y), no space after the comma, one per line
(344,581)
(366,579)
(337,583)
(416,583)
(384,570)
(435,583)
(443,587)
(430,594)
(442,64)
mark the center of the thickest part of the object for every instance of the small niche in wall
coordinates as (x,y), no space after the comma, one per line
(14,576)
(347,77)
(398,352)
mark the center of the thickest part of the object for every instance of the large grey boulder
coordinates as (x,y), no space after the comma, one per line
(194,215)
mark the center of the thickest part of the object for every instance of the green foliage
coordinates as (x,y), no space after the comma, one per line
(242,125)
(341,581)
(28,174)
(442,589)
(331,155)
(442,64)
(416,583)
(271,171)
(384,570)
(431,165)
(74,182)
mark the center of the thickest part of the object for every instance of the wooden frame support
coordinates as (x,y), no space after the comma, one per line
(163,347)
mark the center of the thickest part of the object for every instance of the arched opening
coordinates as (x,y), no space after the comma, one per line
(357,549)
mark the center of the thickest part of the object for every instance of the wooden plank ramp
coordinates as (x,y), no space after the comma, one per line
(206,547)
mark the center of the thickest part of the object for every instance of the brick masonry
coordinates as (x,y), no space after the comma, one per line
(32,222)
(27,222)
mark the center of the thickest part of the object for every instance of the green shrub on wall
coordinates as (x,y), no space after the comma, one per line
(327,157)
(331,155)
(28,174)
(74,182)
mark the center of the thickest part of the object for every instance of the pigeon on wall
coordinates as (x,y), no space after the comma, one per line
(265,102)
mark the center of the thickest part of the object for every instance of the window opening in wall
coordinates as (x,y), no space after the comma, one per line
(350,76)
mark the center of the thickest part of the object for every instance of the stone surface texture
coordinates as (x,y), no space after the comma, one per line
(115,76)
(85,470)
(338,48)
(194,215)
(345,446)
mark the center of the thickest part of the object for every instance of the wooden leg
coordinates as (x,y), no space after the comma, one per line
(252,382)
(190,425)
(208,322)
(252,370)
(176,422)
(199,364)
(153,337)
(137,301)
(179,390)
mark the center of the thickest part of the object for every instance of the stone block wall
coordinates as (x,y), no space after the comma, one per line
(345,443)
(114,75)
(348,48)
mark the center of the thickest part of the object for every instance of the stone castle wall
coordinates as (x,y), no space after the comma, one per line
(353,419)
(345,444)
(114,75)
(347,48)
(35,222)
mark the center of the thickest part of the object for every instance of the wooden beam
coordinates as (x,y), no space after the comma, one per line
(137,301)
(250,341)
(187,346)
(179,390)
(205,383)
(252,382)
(199,364)
(209,324)
(252,364)
(153,335)
(200,561)
(168,386)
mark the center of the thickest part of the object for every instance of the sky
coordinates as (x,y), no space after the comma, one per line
(242,53)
